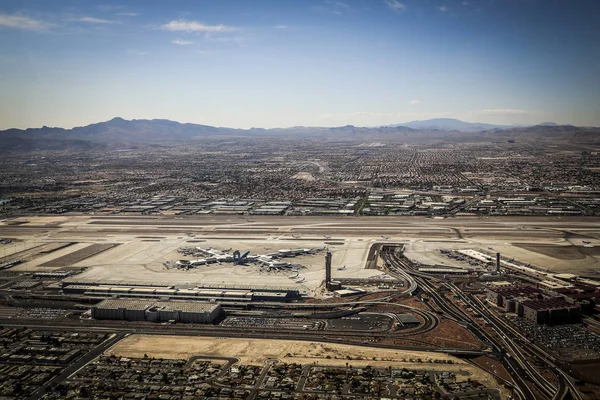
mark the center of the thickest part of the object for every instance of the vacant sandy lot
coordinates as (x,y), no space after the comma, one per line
(257,351)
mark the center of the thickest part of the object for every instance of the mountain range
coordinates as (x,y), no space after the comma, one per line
(451,124)
(119,132)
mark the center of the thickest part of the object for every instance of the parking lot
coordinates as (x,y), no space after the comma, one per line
(361,322)
(573,342)
(275,323)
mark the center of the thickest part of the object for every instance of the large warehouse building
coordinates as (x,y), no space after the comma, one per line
(151,310)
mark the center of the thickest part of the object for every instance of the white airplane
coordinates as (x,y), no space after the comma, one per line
(296,236)
(385,237)
(342,268)
(586,242)
(490,248)
(327,237)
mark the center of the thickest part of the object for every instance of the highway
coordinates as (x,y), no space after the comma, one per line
(565,383)
(396,269)
(355,338)
(452,312)
(508,343)
(516,361)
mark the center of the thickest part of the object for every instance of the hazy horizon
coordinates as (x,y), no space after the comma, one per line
(271,64)
(405,123)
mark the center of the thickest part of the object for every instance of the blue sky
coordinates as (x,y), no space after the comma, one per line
(278,63)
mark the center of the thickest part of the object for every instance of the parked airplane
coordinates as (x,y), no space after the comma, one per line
(342,268)
(270,260)
(385,237)
(586,242)
(327,237)
(296,236)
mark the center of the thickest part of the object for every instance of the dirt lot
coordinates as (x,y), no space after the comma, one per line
(257,351)
(450,334)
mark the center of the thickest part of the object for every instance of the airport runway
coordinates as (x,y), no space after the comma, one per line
(505,227)
(145,242)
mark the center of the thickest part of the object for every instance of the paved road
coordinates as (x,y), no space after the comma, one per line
(351,338)
(261,379)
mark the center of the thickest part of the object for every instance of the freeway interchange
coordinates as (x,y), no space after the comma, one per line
(507,344)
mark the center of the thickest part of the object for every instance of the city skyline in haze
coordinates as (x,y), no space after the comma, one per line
(269,64)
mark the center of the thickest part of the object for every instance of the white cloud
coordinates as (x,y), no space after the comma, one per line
(337,3)
(93,20)
(334,7)
(503,111)
(280,26)
(137,53)
(22,22)
(414,102)
(127,14)
(194,26)
(395,5)
(443,8)
(182,42)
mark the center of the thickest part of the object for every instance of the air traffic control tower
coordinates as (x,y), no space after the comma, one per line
(329,284)
(328,269)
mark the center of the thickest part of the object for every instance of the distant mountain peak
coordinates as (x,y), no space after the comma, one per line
(450,124)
